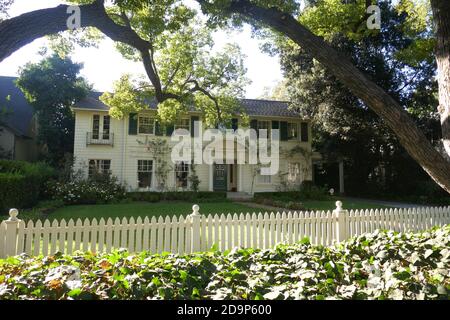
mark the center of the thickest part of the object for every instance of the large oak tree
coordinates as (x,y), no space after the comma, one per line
(279,16)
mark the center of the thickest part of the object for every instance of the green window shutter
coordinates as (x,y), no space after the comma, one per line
(193,120)
(158,129)
(169,129)
(275,124)
(234,124)
(133,124)
(283,130)
(304,132)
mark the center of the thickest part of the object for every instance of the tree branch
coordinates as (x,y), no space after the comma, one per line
(396,118)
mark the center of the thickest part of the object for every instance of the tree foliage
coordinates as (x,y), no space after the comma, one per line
(52,86)
(184,70)
(344,127)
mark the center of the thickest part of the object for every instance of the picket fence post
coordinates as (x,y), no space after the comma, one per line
(195,234)
(12,225)
(341,217)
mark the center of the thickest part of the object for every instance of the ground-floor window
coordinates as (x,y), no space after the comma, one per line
(99,166)
(293,172)
(264,179)
(181,174)
(145,170)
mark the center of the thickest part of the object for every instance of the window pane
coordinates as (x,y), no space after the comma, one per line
(292,130)
(183,124)
(181,174)
(293,172)
(106,126)
(146,125)
(96,127)
(145,168)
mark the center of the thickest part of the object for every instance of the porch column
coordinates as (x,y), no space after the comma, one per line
(341,176)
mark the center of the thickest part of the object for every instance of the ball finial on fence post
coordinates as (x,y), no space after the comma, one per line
(13,213)
(196,209)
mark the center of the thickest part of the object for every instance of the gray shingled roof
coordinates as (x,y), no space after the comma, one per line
(20,112)
(253,107)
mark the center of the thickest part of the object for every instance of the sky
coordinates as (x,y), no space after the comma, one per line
(104,65)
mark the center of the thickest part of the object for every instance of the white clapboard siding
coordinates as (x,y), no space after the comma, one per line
(226,231)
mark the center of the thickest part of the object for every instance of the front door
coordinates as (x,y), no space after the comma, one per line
(220,177)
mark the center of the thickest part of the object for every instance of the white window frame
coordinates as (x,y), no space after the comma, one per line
(152,118)
(138,170)
(298,173)
(296,126)
(176,171)
(99,166)
(101,126)
(178,126)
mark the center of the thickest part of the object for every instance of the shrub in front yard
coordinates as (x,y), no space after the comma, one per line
(310,193)
(381,265)
(87,191)
(22,184)
(177,196)
(292,205)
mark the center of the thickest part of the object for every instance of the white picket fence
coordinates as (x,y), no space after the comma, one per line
(199,233)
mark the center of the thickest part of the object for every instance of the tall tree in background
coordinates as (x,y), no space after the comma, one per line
(344,126)
(52,86)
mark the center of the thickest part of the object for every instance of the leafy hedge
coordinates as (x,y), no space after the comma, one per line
(22,184)
(313,193)
(382,265)
(177,196)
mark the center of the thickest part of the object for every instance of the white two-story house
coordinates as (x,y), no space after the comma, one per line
(124,148)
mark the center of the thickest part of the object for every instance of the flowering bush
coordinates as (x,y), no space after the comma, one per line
(87,191)
(381,265)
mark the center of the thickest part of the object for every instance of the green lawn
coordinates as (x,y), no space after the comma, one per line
(145,209)
(347,204)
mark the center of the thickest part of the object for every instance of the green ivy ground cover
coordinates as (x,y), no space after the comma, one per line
(381,265)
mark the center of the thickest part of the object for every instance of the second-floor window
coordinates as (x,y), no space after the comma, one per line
(146,125)
(183,124)
(292,131)
(101,127)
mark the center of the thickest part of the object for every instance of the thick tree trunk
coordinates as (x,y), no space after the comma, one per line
(412,139)
(21,30)
(441,17)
